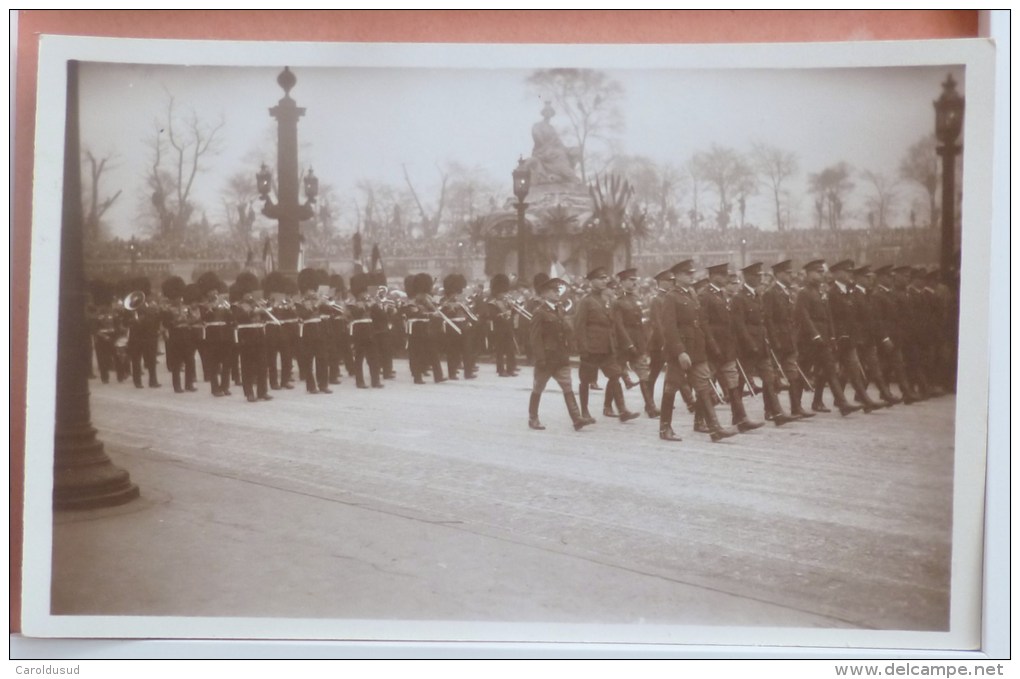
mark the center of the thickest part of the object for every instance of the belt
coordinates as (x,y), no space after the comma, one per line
(411,321)
(358,321)
(251,325)
(311,320)
(216,323)
(290,320)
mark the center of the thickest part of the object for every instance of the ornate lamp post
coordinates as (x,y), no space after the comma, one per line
(522,184)
(83,475)
(948,124)
(288,212)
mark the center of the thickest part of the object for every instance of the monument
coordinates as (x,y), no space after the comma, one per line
(568,223)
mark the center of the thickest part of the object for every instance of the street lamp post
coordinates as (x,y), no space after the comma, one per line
(288,212)
(522,184)
(948,124)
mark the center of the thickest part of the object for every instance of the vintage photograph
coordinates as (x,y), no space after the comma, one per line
(670,345)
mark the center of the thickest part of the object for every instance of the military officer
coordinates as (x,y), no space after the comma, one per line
(550,341)
(890,323)
(848,331)
(779,311)
(873,332)
(753,342)
(629,314)
(596,344)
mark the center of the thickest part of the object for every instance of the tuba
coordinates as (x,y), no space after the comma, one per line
(134,301)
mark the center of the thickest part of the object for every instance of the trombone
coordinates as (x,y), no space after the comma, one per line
(446,319)
(516,306)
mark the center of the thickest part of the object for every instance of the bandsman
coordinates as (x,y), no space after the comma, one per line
(458,338)
(218,332)
(250,318)
(313,348)
(179,318)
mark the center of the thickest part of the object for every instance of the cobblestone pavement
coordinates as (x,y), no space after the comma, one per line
(436,502)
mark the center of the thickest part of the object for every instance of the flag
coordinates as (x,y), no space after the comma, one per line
(377,264)
(301,254)
(249,259)
(359,265)
(556,270)
(268,263)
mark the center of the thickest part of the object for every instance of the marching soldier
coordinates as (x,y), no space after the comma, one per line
(313,348)
(848,331)
(753,342)
(550,341)
(107,333)
(817,337)
(458,343)
(683,333)
(250,337)
(366,316)
(218,332)
(890,324)
(779,310)
(721,343)
(143,335)
(873,332)
(281,338)
(179,319)
(596,344)
(501,318)
(423,333)
(629,314)
(341,355)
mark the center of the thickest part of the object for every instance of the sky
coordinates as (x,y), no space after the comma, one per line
(368,122)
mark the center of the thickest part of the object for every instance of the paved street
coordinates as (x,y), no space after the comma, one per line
(436,502)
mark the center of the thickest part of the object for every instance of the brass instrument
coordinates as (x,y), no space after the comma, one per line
(261,306)
(446,319)
(467,310)
(134,301)
(516,306)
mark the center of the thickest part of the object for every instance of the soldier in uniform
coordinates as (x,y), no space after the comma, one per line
(106,330)
(179,319)
(550,341)
(629,315)
(341,356)
(457,343)
(817,336)
(779,312)
(848,331)
(890,324)
(596,344)
(281,338)
(366,316)
(501,317)
(424,331)
(682,326)
(250,336)
(218,332)
(721,343)
(313,348)
(753,341)
(873,332)
(143,326)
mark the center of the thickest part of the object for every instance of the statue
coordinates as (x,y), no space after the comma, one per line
(551,161)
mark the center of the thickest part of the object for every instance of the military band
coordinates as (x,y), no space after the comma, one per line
(738,337)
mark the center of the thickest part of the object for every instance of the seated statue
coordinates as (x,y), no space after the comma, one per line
(551,161)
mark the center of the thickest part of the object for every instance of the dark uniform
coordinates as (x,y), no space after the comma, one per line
(817,336)
(143,326)
(107,333)
(549,332)
(250,338)
(682,326)
(752,341)
(849,331)
(890,324)
(873,335)
(501,323)
(281,338)
(179,320)
(366,323)
(217,333)
(458,344)
(596,343)
(424,331)
(779,311)
(629,314)
(313,347)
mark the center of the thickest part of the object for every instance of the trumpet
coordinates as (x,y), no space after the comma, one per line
(134,301)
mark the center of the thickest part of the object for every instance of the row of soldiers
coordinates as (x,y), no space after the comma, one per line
(832,327)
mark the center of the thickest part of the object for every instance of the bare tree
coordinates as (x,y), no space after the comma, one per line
(730,175)
(659,187)
(882,199)
(775,166)
(178,147)
(430,222)
(95,207)
(920,165)
(588,99)
(831,187)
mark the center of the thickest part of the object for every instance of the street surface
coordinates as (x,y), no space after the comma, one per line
(436,502)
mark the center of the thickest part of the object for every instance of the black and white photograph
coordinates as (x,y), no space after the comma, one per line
(510,343)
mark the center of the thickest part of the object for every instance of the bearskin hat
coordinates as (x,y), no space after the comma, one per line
(173,287)
(246,282)
(540,279)
(235,292)
(423,284)
(191,293)
(274,282)
(336,281)
(499,284)
(453,284)
(308,279)
(290,286)
(210,282)
(359,283)
(322,276)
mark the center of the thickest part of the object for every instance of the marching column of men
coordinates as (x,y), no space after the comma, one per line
(734,338)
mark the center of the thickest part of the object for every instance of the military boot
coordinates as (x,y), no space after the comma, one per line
(646,392)
(575,412)
(621,405)
(716,430)
(533,421)
(740,418)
